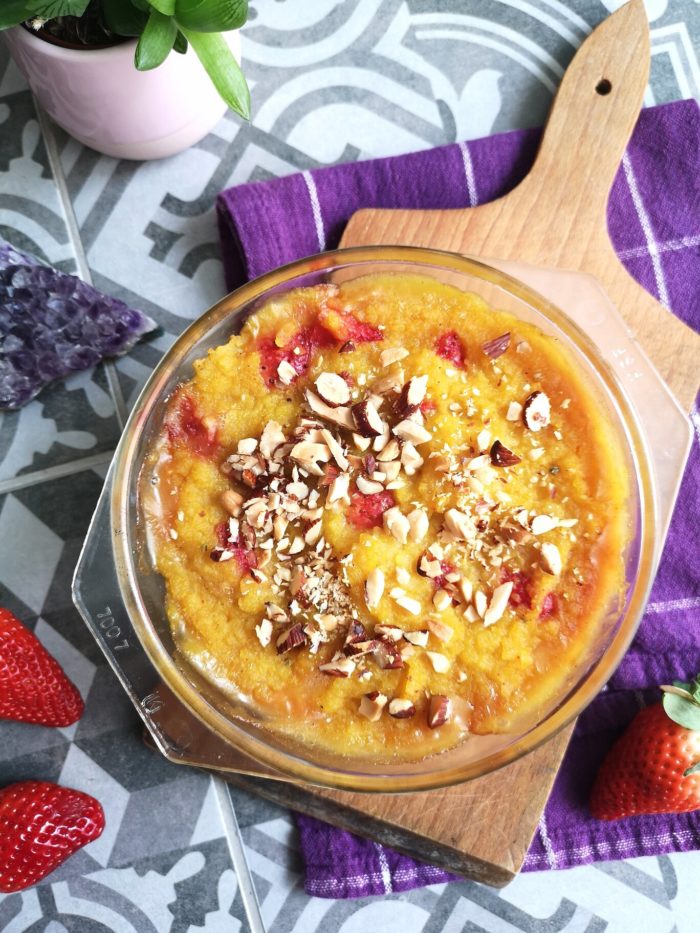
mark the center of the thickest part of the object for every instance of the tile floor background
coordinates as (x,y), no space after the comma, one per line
(333,80)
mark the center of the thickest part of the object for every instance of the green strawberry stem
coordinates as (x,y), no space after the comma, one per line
(681,702)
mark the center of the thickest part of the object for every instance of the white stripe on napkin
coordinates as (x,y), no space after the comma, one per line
(315,209)
(547,842)
(648,233)
(469,174)
(384,866)
(674,605)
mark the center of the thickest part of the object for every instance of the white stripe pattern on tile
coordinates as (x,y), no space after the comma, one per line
(315,209)
(648,232)
(469,174)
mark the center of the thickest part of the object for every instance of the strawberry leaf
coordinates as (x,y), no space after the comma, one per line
(682,710)
(694,770)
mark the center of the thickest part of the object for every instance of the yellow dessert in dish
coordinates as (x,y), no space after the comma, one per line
(389,516)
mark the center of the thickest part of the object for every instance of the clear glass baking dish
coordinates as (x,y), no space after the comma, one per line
(121,596)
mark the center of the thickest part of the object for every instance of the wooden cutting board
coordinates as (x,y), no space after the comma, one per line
(557,218)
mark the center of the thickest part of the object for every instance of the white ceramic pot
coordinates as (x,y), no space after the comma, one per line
(99,97)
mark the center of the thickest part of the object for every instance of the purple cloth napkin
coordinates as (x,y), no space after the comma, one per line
(654,223)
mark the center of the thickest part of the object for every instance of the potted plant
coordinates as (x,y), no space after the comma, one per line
(103,69)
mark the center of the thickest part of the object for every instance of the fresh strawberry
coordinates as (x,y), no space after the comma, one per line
(41,825)
(33,687)
(655,766)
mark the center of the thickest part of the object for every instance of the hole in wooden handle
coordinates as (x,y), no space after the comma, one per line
(603,87)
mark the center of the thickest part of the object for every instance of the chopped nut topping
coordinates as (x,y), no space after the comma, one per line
(551,559)
(401,709)
(339,488)
(333,389)
(499,601)
(264,632)
(392,355)
(460,524)
(441,664)
(467,589)
(441,600)
(536,411)
(411,460)
(439,711)
(367,419)
(390,451)
(541,524)
(470,614)
(338,667)
(392,632)
(409,430)
(515,410)
(272,437)
(232,501)
(340,415)
(419,639)
(396,524)
(392,382)
(483,439)
(441,631)
(407,602)
(247,446)
(336,449)
(502,457)
(372,705)
(480,602)
(418,523)
(374,588)
(403,576)
(292,637)
(496,347)
(286,373)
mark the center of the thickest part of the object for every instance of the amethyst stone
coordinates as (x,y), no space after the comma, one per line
(53,324)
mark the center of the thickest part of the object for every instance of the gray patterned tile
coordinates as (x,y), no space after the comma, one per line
(75,417)
(162,862)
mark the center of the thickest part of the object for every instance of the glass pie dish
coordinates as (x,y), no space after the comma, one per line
(133,628)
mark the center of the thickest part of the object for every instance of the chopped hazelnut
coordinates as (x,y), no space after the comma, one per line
(439,711)
(372,705)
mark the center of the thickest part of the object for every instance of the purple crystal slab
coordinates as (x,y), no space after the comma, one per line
(53,324)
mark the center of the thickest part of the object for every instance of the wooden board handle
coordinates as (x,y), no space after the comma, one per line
(589,125)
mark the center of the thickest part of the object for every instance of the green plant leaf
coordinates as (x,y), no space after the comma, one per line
(156,41)
(181,44)
(123,19)
(683,711)
(50,9)
(211,15)
(13,12)
(166,7)
(222,68)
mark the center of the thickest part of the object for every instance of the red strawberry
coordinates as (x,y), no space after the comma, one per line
(365,511)
(41,825)
(655,766)
(450,347)
(33,687)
